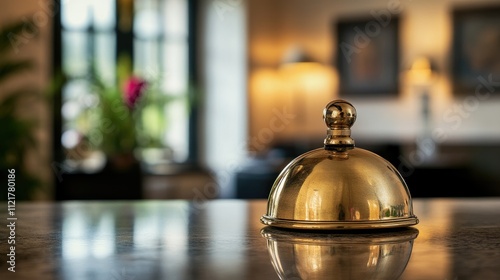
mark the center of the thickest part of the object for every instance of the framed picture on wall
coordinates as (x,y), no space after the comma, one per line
(367,57)
(476,50)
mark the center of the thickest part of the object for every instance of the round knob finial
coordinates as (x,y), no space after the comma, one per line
(339,115)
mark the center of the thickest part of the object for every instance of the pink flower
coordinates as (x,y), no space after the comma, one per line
(133,90)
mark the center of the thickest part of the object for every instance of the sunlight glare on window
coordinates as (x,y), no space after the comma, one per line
(175,65)
(175,17)
(75,14)
(103,13)
(147,24)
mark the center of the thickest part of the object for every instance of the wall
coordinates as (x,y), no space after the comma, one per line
(426,28)
(223,78)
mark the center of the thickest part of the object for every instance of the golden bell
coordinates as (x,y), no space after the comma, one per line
(339,186)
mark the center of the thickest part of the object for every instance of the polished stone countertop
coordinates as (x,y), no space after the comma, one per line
(224,239)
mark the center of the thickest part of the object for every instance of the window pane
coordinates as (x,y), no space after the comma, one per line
(175,18)
(175,63)
(146,59)
(103,13)
(176,135)
(75,53)
(75,14)
(105,56)
(77,99)
(146,5)
(147,24)
(160,56)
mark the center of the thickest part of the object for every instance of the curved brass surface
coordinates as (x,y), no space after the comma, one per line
(353,189)
(293,224)
(339,186)
(306,255)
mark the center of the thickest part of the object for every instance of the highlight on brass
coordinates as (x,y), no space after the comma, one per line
(309,255)
(339,186)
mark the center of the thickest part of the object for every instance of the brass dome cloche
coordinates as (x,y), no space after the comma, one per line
(339,186)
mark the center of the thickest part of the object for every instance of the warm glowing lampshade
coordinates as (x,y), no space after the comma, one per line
(422,71)
(306,85)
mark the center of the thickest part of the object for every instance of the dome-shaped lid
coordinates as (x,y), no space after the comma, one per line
(339,186)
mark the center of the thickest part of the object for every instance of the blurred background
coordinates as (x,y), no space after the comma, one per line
(186,99)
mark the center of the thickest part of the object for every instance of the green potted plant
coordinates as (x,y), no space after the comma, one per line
(129,115)
(17,131)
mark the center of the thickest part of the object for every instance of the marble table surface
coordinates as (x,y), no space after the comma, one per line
(456,238)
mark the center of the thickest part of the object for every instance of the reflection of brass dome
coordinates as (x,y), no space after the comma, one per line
(339,186)
(306,255)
